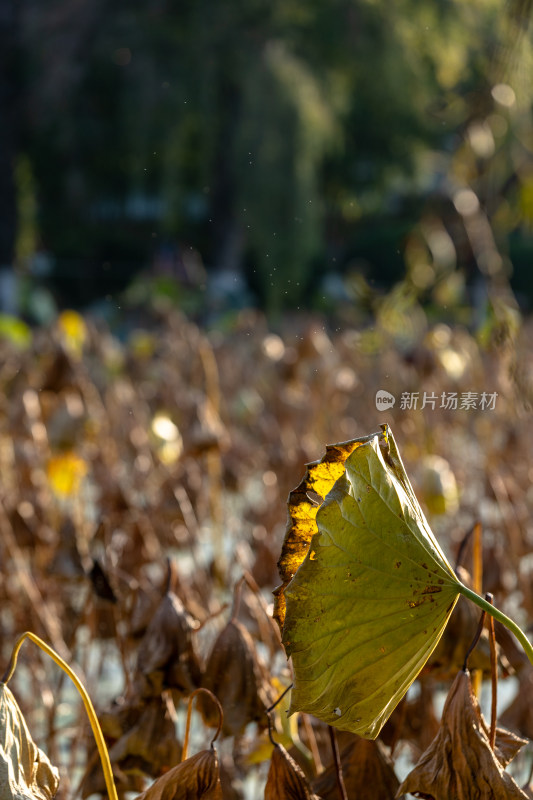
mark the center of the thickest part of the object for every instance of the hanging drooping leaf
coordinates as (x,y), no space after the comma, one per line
(167,658)
(462,750)
(367,590)
(150,745)
(234,674)
(367,771)
(197,777)
(286,779)
(25,771)
(370,600)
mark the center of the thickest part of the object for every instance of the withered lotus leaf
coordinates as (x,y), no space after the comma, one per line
(460,763)
(286,780)
(150,745)
(25,771)
(367,771)
(167,658)
(233,673)
(197,777)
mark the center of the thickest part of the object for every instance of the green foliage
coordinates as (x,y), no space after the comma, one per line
(261,133)
(367,590)
(15,330)
(372,597)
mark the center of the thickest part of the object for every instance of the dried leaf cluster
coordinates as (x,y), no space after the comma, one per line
(175,445)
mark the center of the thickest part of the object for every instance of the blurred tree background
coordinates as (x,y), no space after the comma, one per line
(310,152)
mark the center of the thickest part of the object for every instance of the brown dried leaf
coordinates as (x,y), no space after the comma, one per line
(197,777)
(150,745)
(285,780)
(167,658)
(230,780)
(25,771)
(141,603)
(459,763)
(507,744)
(367,771)
(234,674)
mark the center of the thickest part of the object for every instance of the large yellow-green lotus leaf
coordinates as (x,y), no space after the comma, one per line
(25,771)
(303,503)
(371,590)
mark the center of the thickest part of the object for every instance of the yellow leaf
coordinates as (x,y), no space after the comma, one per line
(65,473)
(73,331)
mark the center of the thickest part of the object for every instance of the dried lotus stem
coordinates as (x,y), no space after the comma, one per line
(89,708)
(493,675)
(188,722)
(475,640)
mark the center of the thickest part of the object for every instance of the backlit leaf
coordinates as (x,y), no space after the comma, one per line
(372,596)
(318,480)
(25,771)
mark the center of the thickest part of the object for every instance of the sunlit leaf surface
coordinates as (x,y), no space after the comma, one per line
(303,505)
(25,771)
(372,596)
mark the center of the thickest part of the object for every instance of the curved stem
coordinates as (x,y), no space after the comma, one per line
(216,701)
(475,640)
(500,616)
(89,708)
